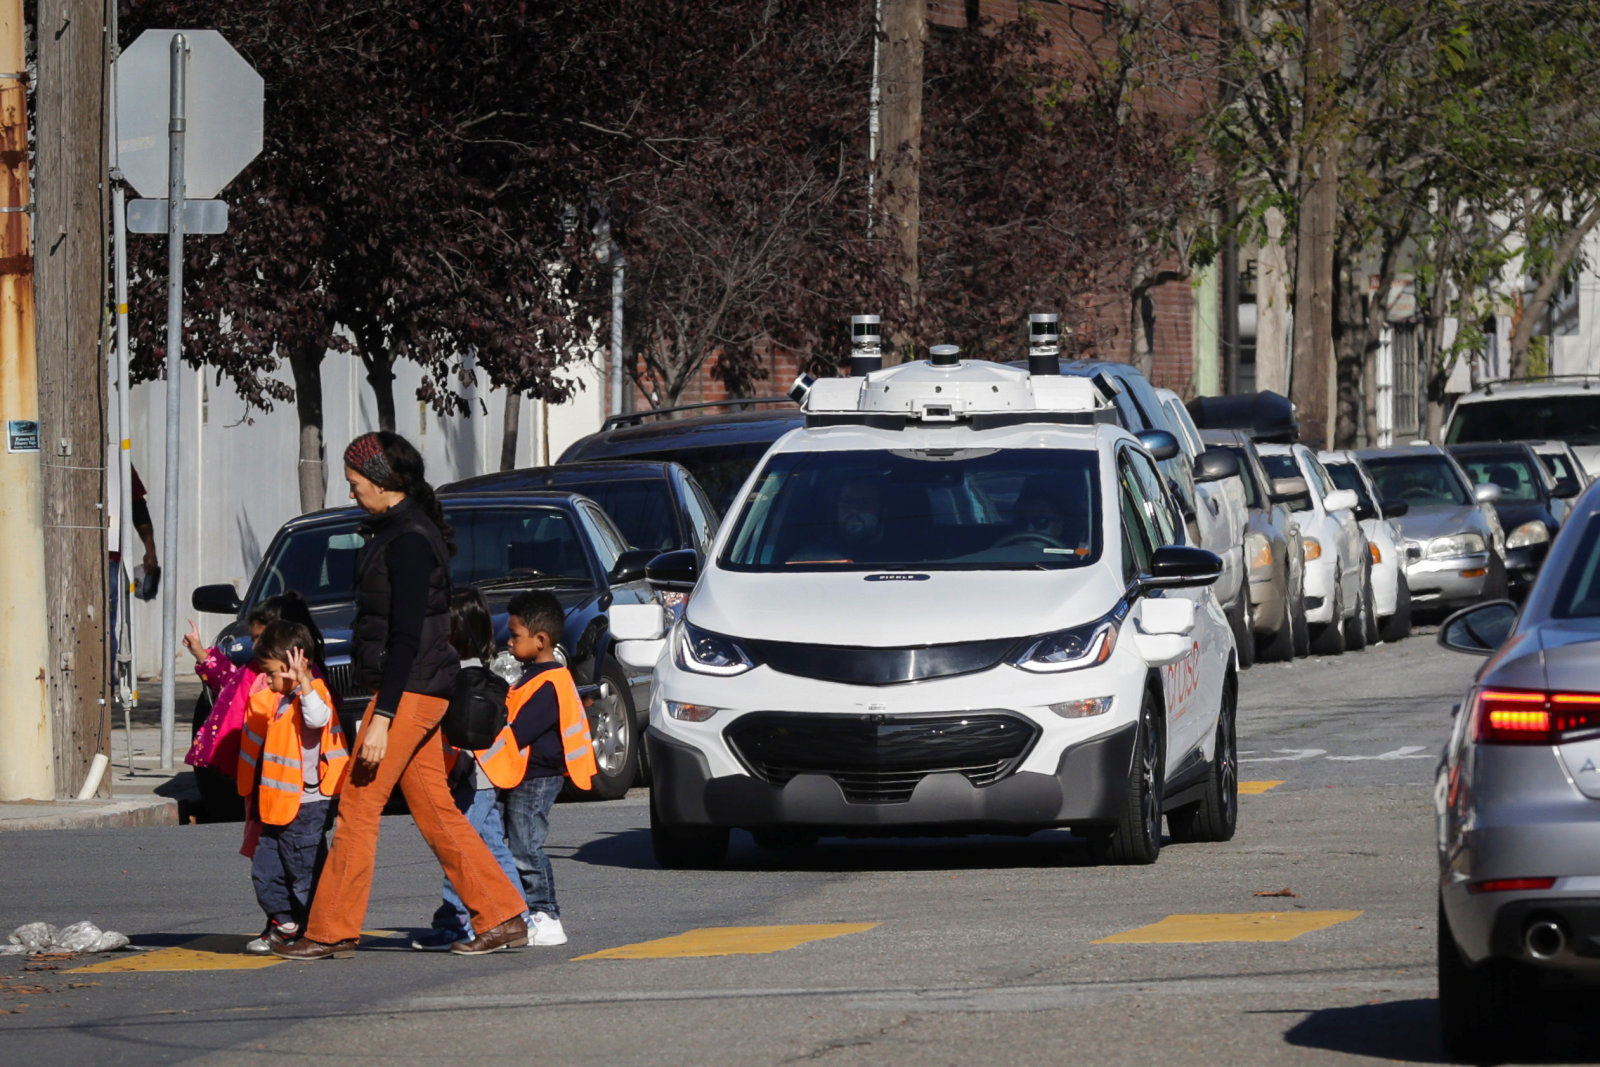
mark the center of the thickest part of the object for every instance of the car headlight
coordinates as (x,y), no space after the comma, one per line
(1312,549)
(1258,550)
(1463,544)
(703,652)
(1529,533)
(1068,650)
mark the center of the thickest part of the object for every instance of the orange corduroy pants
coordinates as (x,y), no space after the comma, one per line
(415,762)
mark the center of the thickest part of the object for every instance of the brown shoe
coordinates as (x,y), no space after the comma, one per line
(306,950)
(512,933)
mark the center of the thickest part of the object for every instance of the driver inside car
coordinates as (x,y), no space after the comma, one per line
(1040,513)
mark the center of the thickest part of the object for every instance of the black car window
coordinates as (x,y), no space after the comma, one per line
(500,542)
(1281,465)
(642,508)
(607,541)
(1247,476)
(1574,419)
(1515,476)
(1345,476)
(1579,594)
(1420,480)
(973,509)
(318,562)
(701,515)
(1138,532)
(1557,465)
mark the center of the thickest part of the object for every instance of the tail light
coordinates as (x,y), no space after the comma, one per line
(1532,717)
(1510,885)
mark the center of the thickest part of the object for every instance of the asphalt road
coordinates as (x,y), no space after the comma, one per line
(941,952)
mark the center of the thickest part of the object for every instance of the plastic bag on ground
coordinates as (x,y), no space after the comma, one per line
(82,936)
(34,937)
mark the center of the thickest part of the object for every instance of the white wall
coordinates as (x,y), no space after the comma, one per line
(237,479)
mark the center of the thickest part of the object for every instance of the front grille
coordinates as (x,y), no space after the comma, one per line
(342,681)
(879,759)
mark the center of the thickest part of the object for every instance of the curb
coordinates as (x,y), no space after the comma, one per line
(94,815)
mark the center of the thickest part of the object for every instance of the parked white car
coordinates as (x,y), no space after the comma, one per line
(1391,595)
(1339,601)
(1221,514)
(957,598)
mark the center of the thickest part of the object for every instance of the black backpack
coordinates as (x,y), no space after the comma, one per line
(477,711)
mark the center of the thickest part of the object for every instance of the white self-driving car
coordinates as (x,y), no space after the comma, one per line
(955,600)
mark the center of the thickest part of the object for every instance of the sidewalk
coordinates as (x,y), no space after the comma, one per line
(140,796)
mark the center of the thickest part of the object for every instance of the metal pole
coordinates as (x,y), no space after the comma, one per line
(616,330)
(127,536)
(169,535)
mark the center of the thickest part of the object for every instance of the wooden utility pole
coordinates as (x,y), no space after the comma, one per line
(70,221)
(899,150)
(1313,375)
(27,766)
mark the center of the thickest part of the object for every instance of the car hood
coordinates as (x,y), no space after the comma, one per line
(1518,512)
(873,610)
(1421,524)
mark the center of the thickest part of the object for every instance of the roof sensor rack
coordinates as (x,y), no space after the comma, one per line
(1044,344)
(866,345)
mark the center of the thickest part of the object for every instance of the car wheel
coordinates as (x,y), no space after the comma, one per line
(1483,1010)
(1371,615)
(1281,645)
(1496,585)
(1216,815)
(615,736)
(1302,630)
(686,848)
(1137,836)
(1328,640)
(1242,622)
(1355,627)
(1397,627)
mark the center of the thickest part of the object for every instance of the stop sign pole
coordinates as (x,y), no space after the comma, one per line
(176,128)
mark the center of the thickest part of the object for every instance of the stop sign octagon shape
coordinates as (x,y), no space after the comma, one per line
(225,109)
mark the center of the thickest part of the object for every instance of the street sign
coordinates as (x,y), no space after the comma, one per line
(225,113)
(22,435)
(199,216)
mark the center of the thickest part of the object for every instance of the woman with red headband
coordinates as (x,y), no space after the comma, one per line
(400,648)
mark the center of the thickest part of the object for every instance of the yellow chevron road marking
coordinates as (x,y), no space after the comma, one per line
(1237,926)
(729,941)
(1252,789)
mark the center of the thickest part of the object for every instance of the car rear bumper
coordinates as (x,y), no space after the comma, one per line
(1088,788)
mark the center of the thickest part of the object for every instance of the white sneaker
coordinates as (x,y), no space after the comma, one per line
(545,930)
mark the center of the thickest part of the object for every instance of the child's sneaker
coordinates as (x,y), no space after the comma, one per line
(276,934)
(438,940)
(546,930)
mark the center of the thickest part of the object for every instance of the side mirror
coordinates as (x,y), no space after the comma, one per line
(636,622)
(1564,489)
(1285,490)
(1159,443)
(674,572)
(1364,512)
(1479,629)
(631,565)
(1215,464)
(1340,500)
(1486,492)
(220,599)
(1181,566)
(1394,509)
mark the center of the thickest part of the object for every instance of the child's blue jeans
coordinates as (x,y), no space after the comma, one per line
(287,860)
(482,809)
(527,825)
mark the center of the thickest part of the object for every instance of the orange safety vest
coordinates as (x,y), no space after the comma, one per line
(269,752)
(505,764)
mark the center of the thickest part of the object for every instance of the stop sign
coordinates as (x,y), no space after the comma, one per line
(224,113)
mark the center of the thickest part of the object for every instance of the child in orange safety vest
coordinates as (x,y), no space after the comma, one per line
(292,761)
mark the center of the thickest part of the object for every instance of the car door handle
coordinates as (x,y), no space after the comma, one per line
(1215,507)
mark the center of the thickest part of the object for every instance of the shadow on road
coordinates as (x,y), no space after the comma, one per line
(1404,1030)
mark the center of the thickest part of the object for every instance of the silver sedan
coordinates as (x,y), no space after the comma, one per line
(1518,802)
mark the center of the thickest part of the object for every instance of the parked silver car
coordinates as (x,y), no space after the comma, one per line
(1453,543)
(1518,803)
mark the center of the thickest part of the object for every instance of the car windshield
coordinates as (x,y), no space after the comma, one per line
(1573,418)
(1247,476)
(1282,465)
(934,509)
(493,544)
(642,508)
(1515,476)
(1345,476)
(1578,596)
(1421,481)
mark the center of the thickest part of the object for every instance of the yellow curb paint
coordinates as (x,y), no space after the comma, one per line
(729,941)
(213,952)
(1252,789)
(1238,926)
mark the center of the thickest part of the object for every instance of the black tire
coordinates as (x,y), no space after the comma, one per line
(1137,836)
(1485,1012)
(686,848)
(617,740)
(1280,646)
(1355,627)
(1328,639)
(1242,623)
(1397,627)
(1216,815)
(1302,629)
(1496,585)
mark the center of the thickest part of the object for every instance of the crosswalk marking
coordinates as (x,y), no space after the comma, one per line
(1252,789)
(213,952)
(1236,926)
(729,941)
